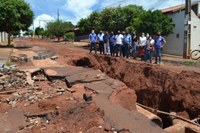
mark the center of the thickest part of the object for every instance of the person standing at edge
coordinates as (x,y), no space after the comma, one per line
(112,43)
(119,42)
(159,44)
(106,44)
(101,42)
(93,40)
(123,47)
(150,48)
(142,45)
(127,44)
(134,45)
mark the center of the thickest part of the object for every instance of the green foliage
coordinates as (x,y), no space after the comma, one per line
(69,35)
(15,15)
(83,26)
(130,29)
(39,31)
(58,28)
(131,17)
(29,32)
(155,21)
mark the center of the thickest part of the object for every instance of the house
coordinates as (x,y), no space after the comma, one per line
(175,41)
(3,36)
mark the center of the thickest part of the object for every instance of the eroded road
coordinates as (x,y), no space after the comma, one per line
(65,89)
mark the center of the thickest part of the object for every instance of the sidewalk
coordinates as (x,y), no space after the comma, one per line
(5,52)
(178,60)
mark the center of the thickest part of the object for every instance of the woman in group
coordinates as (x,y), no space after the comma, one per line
(134,45)
(150,48)
(142,46)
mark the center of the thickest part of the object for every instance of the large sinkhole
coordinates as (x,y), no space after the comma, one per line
(155,87)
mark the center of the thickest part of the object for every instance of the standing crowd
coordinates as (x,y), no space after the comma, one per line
(124,44)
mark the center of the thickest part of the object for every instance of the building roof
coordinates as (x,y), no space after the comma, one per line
(177,8)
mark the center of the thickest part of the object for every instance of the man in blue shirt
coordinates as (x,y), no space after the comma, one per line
(112,43)
(101,42)
(159,44)
(93,40)
(127,44)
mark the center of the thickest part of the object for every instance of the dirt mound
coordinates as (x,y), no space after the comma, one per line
(155,86)
(83,117)
(125,97)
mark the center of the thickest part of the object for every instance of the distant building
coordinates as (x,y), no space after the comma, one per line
(175,41)
(3,36)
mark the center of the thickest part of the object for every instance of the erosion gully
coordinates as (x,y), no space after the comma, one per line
(155,87)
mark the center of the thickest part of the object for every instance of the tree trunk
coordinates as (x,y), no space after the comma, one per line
(58,39)
(9,40)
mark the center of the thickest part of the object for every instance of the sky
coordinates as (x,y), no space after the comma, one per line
(74,10)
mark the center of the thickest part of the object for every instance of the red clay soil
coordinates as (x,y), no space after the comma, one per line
(124,97)
(154,86)
(166,88)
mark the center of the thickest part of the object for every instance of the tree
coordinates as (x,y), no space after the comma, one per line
(15,15)
(58,28)
(83,26)
(131,17)
(153,22)
(39,31)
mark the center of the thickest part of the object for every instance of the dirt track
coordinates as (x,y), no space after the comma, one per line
(159,87)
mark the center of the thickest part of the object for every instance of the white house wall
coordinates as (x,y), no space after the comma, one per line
(0,38)
(175,45)
(195,31)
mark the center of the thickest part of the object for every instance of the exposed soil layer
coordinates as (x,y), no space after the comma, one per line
(155,86)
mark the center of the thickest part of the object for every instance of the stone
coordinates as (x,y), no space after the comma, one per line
(1,74)
(2,82)
(1,87)
(31,98)
(1,65)
(21,127)
(61,90)
(87,97)
(54,57)
(14,103)
(7,85)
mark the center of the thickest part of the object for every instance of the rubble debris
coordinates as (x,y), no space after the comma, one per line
(41,114)
(12,78)
(40,56)
(21,58)
(54,57)
(1,65)
(87,97)
(62,90)
(7,92)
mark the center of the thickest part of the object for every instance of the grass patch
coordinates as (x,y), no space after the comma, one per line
(189,63)
(8,63)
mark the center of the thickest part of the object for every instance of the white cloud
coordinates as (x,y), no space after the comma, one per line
(41,20)
(80,8)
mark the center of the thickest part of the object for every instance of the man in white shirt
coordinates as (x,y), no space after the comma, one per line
(101,42)
(119,42)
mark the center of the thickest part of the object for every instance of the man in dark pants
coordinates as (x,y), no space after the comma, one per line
(159,44)
(112,43)
(101,42)
(127,44)
(93,39)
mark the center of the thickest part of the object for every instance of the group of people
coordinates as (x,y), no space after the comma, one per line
(123,44)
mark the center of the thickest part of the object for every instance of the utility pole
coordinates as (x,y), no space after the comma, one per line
(39,23)
(33,30)
(58,15)
(187,33)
